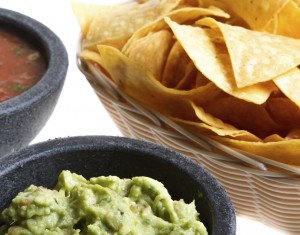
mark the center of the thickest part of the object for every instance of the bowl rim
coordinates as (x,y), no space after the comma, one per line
(56,56)
(223,211)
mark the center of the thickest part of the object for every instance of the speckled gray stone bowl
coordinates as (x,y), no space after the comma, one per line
(40,164)
(22,117)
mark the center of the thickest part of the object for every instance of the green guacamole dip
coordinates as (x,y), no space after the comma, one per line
(100,206)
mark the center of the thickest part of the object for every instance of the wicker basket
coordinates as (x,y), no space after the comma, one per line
(257,192)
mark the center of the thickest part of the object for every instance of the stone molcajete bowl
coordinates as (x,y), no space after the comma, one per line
(22,117)
(40,164)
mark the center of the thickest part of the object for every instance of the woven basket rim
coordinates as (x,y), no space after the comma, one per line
(247,162)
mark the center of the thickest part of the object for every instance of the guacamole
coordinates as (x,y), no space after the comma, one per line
(100,206)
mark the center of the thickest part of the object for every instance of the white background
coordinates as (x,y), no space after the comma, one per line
(79,112)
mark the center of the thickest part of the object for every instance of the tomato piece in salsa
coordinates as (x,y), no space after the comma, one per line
(21,65)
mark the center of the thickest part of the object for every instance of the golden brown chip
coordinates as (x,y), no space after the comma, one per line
(132,79)
(201,80)
(201,128)
(152,51)
(188,81)
(185,14)
(92,56)
(256,56)
(244,116)
(257,13)
(180,72)
(289,84)
(273,138)
(113,25)
(176,66)
(189,3)
(209,53)
(285,151)
(274,16)
(216,3)
(284,112)
(272,26)
(289,20)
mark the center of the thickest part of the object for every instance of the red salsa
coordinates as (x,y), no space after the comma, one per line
(21,65)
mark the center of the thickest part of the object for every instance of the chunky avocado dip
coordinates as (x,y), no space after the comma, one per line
(100,206)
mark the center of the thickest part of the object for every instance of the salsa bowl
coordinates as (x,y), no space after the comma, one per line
(23,116)
(91,156)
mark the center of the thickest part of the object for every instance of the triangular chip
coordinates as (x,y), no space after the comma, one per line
(284,112)
(210,56)
(176,66)
(285,151)
(138,83)
(289,84)
(201,128)
(188,81)
(152,51)
(289,20)
(180,15)
(200,79)
(244,116)
(257,13)
(92,56)
(256,56)
(113,25)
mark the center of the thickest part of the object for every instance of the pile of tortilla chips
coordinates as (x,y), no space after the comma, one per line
(226,69)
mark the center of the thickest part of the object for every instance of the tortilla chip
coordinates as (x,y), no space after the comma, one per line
(180,72)
(138,83)
(203,129)
(212,120)
(176,66)
(152,51)
(201,80)
(284,112)
(113,25)
(84,14)
(210,56)
(244,116)
(257,13)
(289,84)
(180,15)
(256,56)
(188,81)
(272,26)
(273,138)
(215,3)
(286,151)
(92,56)
(189,3)
(289,20)
(221,128)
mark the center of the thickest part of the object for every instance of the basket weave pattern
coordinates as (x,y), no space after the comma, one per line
(256,192)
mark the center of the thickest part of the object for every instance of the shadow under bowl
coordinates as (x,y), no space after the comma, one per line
(22,117)
(91,156)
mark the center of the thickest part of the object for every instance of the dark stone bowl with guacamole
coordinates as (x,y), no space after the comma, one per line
(33,67)
(109,185)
